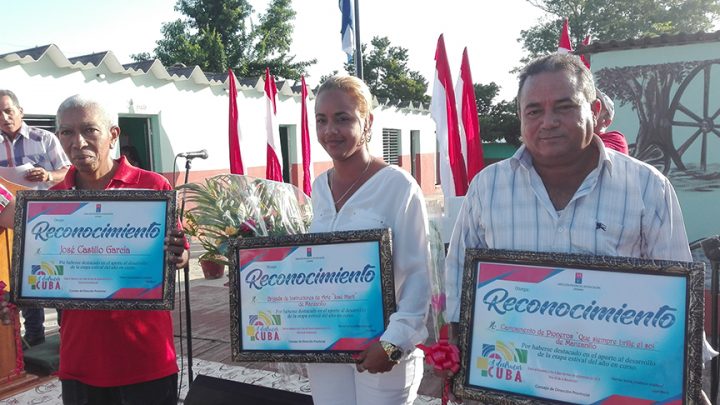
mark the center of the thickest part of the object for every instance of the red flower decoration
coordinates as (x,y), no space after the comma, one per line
(443,356)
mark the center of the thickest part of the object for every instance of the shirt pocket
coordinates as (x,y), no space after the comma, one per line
(596,236)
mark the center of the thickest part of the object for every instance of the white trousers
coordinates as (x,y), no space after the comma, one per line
(341,384)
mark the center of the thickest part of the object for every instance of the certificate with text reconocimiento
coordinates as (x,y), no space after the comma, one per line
(579,334)
(87,252)
(311,297)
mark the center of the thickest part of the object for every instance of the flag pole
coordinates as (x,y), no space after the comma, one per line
(358,46)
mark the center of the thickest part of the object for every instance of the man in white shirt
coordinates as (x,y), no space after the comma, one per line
(20,145)
(563,190)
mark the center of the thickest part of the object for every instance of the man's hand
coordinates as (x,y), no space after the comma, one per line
(37,174)
(374,360)
(175,247)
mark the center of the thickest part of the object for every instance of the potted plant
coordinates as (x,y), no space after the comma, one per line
(228,206)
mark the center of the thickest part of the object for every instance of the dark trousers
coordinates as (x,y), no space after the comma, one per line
(34,320)
(162,391)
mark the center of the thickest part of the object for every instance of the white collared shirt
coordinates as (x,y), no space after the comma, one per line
(392,199)
(34,146)
(624,207)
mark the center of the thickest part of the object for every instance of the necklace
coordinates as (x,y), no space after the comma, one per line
(352,186)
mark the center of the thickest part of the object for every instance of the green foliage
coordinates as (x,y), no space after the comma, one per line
(616,20)
(228,207)
(141,56)
(217,34)
(497,121)
(484,96)
(385,70)
(502,122)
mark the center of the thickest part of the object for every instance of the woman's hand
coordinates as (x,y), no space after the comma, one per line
(175,246)
(374,360)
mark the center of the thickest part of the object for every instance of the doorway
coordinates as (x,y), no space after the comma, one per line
(414,152)
(136,141)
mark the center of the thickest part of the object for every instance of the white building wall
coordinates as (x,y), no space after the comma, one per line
(188,116)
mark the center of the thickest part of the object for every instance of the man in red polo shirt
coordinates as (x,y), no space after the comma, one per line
(113,357)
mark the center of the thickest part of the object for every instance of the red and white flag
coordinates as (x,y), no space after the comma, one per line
(564,46)
(236,163)
(305,139)
(443,110)
(469,123)
(585,42)
(273,165)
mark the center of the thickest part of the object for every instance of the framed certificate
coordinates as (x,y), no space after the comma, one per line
(548,328)
(93,249)
(310,298)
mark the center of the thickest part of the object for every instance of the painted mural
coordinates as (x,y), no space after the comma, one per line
(678,112)
(673,132)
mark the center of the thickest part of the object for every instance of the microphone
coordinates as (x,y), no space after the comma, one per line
(202,154)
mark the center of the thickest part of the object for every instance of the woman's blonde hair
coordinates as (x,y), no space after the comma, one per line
(352,85)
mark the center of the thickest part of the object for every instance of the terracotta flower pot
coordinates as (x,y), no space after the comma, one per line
(212,270)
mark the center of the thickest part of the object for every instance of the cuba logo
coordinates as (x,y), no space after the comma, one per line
(45,276)
(502,361)
(263,327)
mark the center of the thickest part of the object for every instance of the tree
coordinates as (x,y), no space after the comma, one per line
(217,34)
(616,20)
(648,89)
(497,121)
(385,70)
(484,96)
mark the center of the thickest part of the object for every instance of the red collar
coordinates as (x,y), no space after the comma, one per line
(124,174)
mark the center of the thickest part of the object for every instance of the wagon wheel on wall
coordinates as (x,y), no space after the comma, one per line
(702,124)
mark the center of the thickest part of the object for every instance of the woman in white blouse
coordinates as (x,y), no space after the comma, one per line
(363,192)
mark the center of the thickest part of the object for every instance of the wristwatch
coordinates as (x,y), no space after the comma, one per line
(394,353)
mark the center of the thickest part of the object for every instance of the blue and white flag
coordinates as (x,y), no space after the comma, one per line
(347,29)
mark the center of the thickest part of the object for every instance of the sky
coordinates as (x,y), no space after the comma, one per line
(488,28)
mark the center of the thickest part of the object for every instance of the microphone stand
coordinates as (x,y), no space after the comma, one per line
(186,275)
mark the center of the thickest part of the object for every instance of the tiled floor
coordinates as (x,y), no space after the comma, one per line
(49,392)
(211,333)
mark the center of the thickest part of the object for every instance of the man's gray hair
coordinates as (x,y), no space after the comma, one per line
(559,62)
(84,102)
(13,97)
